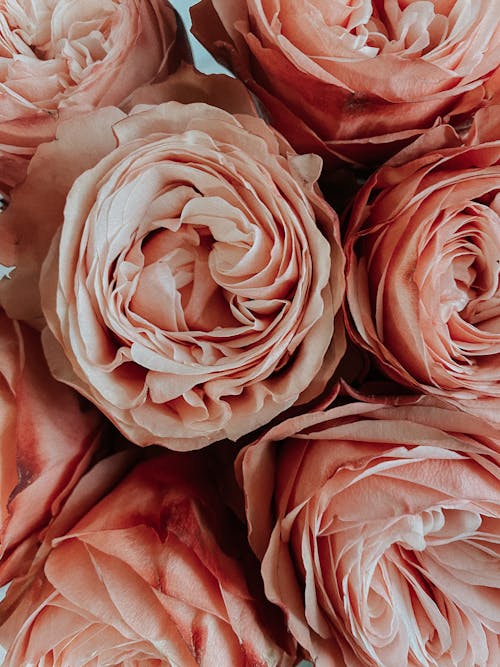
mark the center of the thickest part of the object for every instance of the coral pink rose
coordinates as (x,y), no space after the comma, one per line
(378,528)
(193,290)
(157,573)
(355,81)
(47,438)
(423,274)
(60,57)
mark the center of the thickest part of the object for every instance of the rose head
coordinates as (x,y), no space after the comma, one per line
(157,573)
(355,81)
(378,528)
(62,57)
(47,439)
(192,291)
(423,272)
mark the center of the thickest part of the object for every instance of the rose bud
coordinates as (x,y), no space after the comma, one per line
(47,438)
(378,528)
(356,81)
(423,269)
(59,58)
(157,573)
(193,292)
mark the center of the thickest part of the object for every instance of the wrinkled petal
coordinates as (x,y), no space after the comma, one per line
(194,287)
(160,575)
(67,57)
(378,528)
(389,70)
(423,280)
(47,437)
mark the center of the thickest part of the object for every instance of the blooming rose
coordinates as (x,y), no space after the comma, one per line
(357,80)
(423,274)
(192,291)
(60,57)
(378,527)
(157,573)
(47,438)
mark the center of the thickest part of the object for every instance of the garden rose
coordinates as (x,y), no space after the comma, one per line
(159,574)
(47,438)
(423,253)
(61,57)
(193,289)
(378,527)
(357,81)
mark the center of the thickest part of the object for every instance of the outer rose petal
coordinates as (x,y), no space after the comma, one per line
(87,491)
(389,74)
(193,292)
(423,273)
(71,57)
(47,438)
(378,528)
(188,85)
(36,208)
(156,578)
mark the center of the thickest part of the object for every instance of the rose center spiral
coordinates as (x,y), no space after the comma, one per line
(366,28)
(176,290)
(76,33)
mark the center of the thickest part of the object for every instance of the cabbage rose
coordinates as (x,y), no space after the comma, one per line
(58,58)
(378,528)
(423,267)
(157,573)
(355,81)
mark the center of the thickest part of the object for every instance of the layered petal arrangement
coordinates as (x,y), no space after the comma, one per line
(157,574)
(423,276)
(378,527)
(193,289)
(236,430)
(47,439)
(59,57)
(355,81)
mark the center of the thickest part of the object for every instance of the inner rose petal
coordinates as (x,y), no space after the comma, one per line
(350,30)
(457,274)
(222,269)
(176,269)
(390,567)
(75,32)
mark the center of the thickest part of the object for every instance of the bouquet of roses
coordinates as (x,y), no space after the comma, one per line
(250,334)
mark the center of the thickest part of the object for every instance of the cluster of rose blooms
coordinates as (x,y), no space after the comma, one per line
(239,428)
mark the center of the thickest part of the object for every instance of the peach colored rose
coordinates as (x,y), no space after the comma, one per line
(104,473)
(60,57)
(193,289)
(378,527)
(355,81)
(26,230)
(157,573)
(18,141)
(47,438)
(423,274)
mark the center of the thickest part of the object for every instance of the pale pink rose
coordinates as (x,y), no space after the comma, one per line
(47,438)
(423,267)
(378,528)
(193,290)
(157,573)
(355,81)
(59,57)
